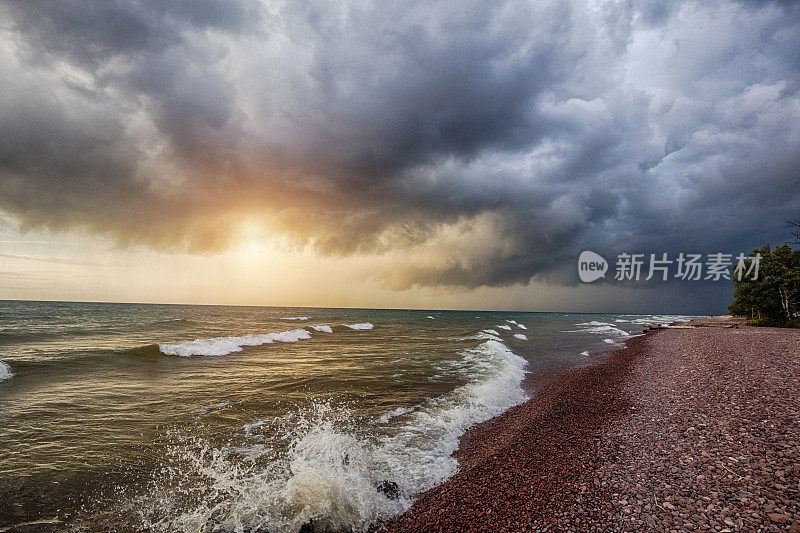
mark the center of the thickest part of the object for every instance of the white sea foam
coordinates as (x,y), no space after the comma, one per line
(521,336)
(5,371)
(610,341)
(485,335)
(324,329)
(585,354)
(658,320)
(600,328)
(330,469)
(503,326)
(295,318)
(388,415)
(363,325)
(521,326)
(225,345)
(429,316)
(592,323)
(610,328)
(511,321)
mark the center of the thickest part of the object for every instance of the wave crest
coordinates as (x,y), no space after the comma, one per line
(225,345)
(363,325)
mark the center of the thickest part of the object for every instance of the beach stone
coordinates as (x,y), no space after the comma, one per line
(778,518)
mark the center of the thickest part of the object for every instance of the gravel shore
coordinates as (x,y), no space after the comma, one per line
(685,430)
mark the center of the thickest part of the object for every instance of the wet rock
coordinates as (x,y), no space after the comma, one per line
(389,489)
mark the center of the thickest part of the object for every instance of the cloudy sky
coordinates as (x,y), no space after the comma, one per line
(437,154)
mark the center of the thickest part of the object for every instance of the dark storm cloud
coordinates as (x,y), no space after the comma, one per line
(487,143)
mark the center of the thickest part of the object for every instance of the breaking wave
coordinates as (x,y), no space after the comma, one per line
(342,473)
(363,325)
(295,318)
(659,320)
(324,329)
(600,328)
(615,335)
(225,345)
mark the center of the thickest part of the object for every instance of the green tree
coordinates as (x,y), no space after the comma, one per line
(774,296)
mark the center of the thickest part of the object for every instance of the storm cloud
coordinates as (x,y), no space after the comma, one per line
(480,143)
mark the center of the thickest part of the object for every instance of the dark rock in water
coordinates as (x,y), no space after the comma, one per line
(308,527)
(389,489)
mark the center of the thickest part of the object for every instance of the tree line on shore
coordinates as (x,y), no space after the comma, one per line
(773,298)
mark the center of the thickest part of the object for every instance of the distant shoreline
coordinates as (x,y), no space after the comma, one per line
(664,434)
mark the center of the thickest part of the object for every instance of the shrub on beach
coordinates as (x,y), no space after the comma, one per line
(768,323)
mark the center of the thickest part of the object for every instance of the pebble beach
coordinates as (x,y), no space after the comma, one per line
(682,430)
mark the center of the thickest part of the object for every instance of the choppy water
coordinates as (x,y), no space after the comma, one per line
(214,418)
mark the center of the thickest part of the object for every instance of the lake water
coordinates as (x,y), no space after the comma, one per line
(215,418)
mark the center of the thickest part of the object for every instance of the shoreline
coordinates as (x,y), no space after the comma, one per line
(633,442)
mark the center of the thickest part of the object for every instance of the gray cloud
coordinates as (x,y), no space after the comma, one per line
(535,130)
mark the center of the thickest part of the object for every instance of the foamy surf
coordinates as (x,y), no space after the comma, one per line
(323,329)
(226,345)
(363,325)
(334,471)
(600,328)
(295,318)
(5,371)
(521,336)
